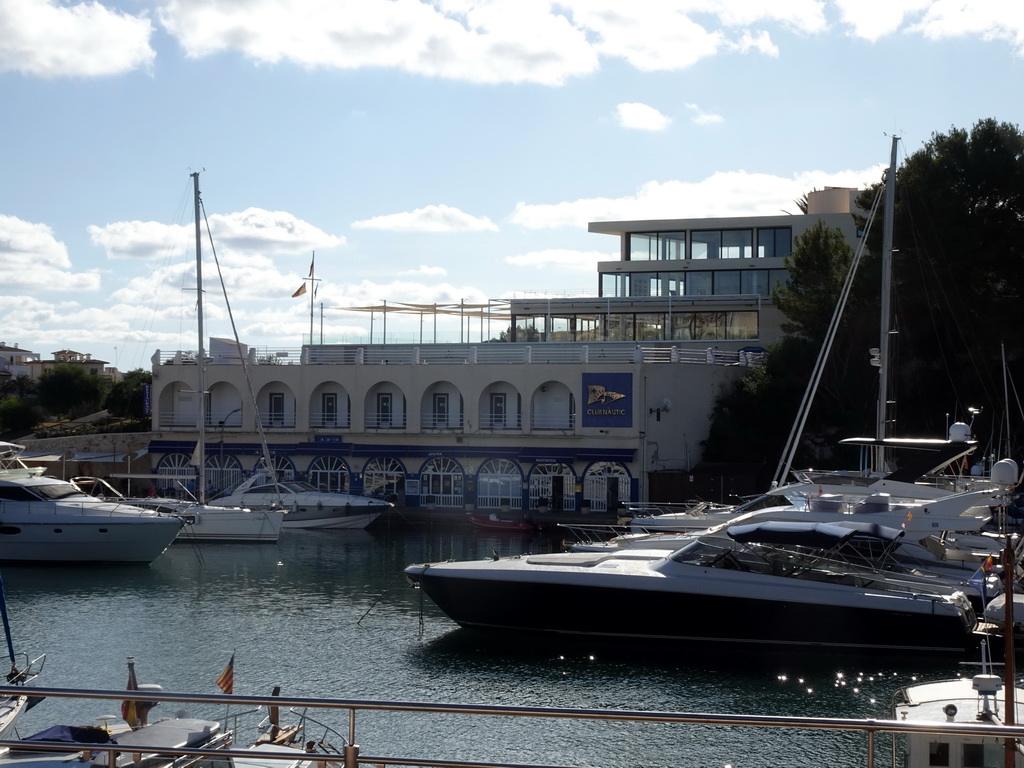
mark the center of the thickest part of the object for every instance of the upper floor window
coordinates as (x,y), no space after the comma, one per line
(774,243)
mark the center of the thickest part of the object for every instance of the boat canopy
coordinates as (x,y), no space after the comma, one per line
(821,535)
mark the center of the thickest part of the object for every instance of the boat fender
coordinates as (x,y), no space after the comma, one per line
(348,508)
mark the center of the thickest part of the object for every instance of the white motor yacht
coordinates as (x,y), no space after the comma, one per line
(46,520)
(304,505)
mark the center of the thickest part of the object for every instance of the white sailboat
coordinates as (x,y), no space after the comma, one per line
(203,522)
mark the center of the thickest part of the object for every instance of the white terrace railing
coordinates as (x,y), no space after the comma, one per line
(356,714)
(498,353)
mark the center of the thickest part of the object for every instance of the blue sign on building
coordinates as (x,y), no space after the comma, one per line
(608,400)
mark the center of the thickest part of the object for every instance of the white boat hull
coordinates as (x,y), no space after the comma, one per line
(87,540)
(296,521)
(231,524)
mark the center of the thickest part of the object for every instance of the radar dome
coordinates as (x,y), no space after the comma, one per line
(1004,472)
(959,432)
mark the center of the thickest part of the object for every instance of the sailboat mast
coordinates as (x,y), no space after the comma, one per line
(885,326)
(200,454)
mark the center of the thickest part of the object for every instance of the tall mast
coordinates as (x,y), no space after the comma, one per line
(200,454)
(885,326)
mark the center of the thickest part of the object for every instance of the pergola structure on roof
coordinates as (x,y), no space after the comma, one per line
(497,309)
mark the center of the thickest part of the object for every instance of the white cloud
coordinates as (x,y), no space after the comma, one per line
(31,258)
(47,39)
(252,231)
(704,118)
(581,261)
(990,21)
(935,19)
(731,193)
(641,117)
(431,218)
(426,271)
(484,42)
(874,19)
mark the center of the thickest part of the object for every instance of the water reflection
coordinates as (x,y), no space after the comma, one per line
(328,613)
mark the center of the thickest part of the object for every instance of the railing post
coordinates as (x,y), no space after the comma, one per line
(351,752)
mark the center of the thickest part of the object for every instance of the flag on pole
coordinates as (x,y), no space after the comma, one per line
(226,681)
(301,290)
(129,708)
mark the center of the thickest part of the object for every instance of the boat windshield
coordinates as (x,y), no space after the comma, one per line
(57,491)
(297,486)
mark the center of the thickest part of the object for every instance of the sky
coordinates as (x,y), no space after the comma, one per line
(442,151)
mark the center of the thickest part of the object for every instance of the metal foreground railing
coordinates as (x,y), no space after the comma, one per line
(352,756)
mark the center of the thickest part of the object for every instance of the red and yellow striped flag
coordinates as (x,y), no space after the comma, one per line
(226,681)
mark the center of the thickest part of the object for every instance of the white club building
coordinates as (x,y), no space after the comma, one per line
(590,403)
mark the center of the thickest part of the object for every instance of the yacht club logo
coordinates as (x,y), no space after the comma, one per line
(608,398)
(596,393)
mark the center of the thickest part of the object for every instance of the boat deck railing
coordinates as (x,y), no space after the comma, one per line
(354,711)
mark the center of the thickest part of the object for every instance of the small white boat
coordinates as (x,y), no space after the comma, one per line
(130,742)
(46,520)
(203,522)
(963,700)
(304,505)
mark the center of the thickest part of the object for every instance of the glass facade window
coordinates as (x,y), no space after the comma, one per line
(558,329)
(699,284)
(619,327)
(673,245)
(737,244)
(614,285)
(640,285)
(643,247)
(705,245)
(650,327)
(774,243)
(741,325)
(755,281)
(727,283)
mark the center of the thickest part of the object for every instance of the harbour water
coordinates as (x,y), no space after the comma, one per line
(328,614)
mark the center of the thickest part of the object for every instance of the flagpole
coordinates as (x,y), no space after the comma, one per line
(312,291)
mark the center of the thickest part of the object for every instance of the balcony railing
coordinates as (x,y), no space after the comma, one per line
(375,420)
(441,421)
(597,352)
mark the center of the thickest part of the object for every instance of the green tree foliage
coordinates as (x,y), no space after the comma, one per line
(959,261)
(817,270)
(69,390)
(17,415)
(958,268)
(127,397)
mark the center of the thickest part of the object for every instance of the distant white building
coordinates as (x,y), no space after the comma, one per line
(587,402)
(14,361)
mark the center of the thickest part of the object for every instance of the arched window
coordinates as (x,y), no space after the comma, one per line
(222,472)
(605,485)
(441,483)
(329,474)
(172,468)
(384,477)
(554,486)
(499,485)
